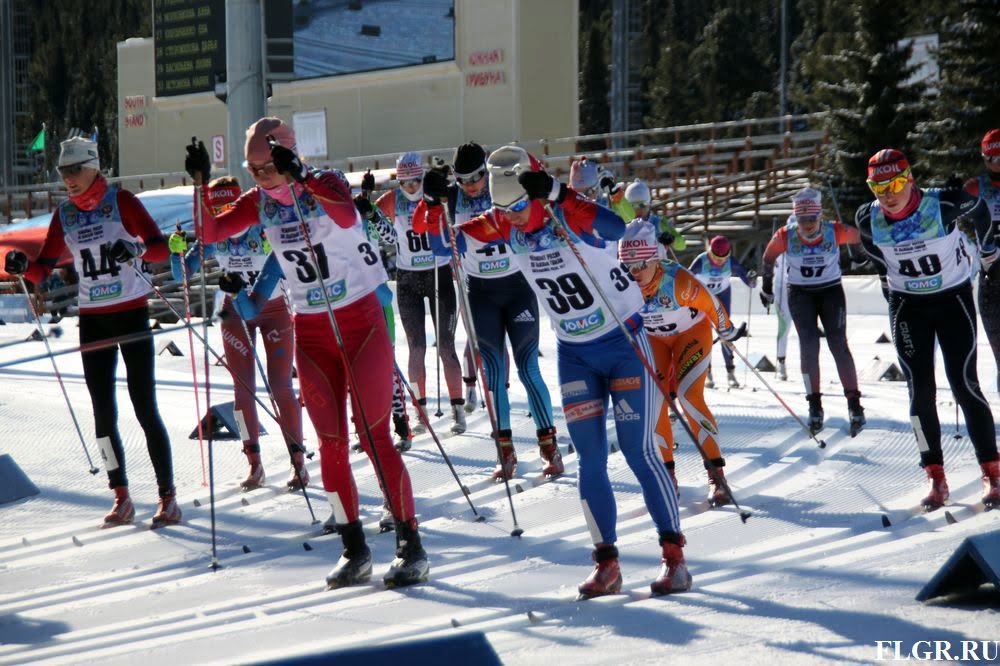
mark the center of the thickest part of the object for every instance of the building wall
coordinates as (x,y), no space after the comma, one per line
(514,78)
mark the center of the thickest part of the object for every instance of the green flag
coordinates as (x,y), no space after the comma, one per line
(38,143)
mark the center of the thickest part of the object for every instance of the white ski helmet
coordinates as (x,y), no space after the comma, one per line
(504,165)
(638,192)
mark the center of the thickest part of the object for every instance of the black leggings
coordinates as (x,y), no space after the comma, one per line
(411,289)
(829,305)
(99,371)
(951,318)
(989,311)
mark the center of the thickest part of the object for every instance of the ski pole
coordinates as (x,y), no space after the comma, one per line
(55,369)
(732,347)
(746,346)
(352,383)
(561,230)
(422,413)
(470,331)
(292,444)
(194,369)
(437,338)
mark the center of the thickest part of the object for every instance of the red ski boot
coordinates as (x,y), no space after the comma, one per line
(123,512)
(938,494)
(606,578)
(717,495)
(674,575)
(549,451)
(255,479)
(168,513)
(300,475)
(508,457)
(991,484)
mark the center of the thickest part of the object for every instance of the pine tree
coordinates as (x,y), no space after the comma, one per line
(967,104)
(874,103)
(595,82)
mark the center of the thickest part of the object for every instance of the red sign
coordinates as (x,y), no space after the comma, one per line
(486,57)
(135,120)
(495,77)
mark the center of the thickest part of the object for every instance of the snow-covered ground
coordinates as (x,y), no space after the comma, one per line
(812,577)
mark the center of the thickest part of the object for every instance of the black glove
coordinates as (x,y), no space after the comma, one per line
(537,184)
(124,251)
(435,185)
(197,163)
(364,206)
(733,334)
(607,183)
(368,182)
(16,262)
(766,297)
(666,238)
(286,161)
(232,283)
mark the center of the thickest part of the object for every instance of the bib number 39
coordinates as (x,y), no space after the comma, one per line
(566,292)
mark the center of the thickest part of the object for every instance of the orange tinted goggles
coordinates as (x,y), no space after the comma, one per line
(892,186)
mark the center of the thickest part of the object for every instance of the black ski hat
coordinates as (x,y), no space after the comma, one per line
(468,158)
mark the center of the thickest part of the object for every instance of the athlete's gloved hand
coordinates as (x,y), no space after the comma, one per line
(232,283)
(666,238)
(177,243)
(608,182)
(364,206)
(766,297)
(368,182)
(197,163)
(540,185)
(860,263)
(991,268)
(435,187)
(124,251)
(16,262)
(752,277)
(732,334)
(286,162)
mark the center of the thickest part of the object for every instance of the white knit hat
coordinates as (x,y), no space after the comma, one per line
(807,201)
(639,242)
(409,167)
(79,151)
(638,192)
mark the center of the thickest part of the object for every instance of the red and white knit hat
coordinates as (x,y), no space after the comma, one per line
(639,242)
(990,144)
(409,167)
(886,164)
(807,202)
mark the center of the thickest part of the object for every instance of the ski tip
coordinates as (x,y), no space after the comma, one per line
(517,532)
(744,515)
(885,521)
(949,518)
(455,623)
(197,503)
(246,548)
(244,501)
(77,542)
(306,546)
(534,617)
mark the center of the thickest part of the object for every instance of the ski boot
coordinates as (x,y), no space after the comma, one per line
(458,425)
(168,513)
(606,578)
(471,399)
(709,382)
(549,451)
(815,412)
(255,479)
(674,575)
(420,428)
(731,378)
(299,478)
(123,511)
(507,465)
(717,495)
(856,413)
(991,484)
(411,565)
(938,484)
(781,372)
(355,563)
(401,426)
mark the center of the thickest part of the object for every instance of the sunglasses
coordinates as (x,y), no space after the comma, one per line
(892,186)
(515,207)
(71,170)
(473,177)
(410,182)
(640,205)
(262,171)
(637,266)
(222,208)
(991,159)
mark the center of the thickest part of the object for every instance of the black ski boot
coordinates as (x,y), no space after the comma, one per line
(856,412)
(355,565)
(410,566)
(815,412)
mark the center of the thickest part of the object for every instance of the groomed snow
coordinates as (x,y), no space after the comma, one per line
(812,577)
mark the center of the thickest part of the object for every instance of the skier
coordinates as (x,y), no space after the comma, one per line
(783,314)
(987,187)
(639,196)
(714,269)
(245,255)
(913,238)
(329,252)
(812,271)
(502,305)
(594,357)
(420,274)
(678,315)
(104,227)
